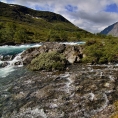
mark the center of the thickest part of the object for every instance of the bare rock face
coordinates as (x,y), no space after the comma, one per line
(55,47)
(80,92)
(29,54)
(72,53)
(111,30)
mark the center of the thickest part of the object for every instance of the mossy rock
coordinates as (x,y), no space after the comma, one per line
(48,61)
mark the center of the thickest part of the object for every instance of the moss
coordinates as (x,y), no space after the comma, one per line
(115,114)
(116,105)
(48,61)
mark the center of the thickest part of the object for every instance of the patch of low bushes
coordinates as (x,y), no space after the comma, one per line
(48,61)
(100,52)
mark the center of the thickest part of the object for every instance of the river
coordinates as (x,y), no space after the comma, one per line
(84,91)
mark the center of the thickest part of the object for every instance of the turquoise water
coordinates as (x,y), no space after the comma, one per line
(13,50)
(12,71)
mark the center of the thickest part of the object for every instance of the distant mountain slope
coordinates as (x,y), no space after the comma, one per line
(111,30)
(20,13)
(21,24)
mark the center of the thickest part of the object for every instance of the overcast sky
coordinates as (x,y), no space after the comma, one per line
(91,15)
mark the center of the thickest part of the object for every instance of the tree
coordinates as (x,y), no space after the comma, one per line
(54,36)
(21,35)
(78,36)
(63,36)
(10,31)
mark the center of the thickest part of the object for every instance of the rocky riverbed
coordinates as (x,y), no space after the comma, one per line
(82,91)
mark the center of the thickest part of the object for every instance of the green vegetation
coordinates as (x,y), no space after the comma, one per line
(115,114)
(98,51)
(20,24)
(24,25)
(48,61)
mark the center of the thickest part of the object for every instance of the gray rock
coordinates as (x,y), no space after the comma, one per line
(4,64)
(72,53)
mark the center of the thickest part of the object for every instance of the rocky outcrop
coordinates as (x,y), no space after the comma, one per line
(81,92)
(29,54)
(72,53)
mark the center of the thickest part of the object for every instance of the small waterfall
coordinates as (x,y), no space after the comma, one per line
(17,61)
(9,66)
(10,57)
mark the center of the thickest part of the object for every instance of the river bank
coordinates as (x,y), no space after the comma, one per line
(80,91)
(83,91)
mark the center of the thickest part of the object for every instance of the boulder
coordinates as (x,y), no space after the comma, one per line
(29,54)
(71,57)
(55,47)
(4,64)
(18,63)
(72,53)
(7,58)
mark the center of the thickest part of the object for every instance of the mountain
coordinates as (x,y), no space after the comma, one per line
(111,30)
(21,13)
(20,24)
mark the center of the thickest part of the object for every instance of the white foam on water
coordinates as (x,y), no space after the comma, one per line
(4,72)
(70,81)
(73,43)
(1,62)
(53,105)
(112,78)
(11,66)
(69,87)
(92,96)
(70,43)
(22,46)
(36,45)
(17,61)
(11,49)
(104,105)
(31,113)
(65,76)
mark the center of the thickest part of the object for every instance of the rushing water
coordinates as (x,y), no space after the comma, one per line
(81,92)
(10,57)
(10,60)
(11,66)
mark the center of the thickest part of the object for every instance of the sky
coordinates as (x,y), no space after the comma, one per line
(90,15)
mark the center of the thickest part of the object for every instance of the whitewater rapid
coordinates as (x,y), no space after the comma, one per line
(15,53)
(12,55)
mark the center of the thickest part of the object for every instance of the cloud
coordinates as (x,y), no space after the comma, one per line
(91,15)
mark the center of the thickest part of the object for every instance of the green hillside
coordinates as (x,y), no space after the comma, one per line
(20,24)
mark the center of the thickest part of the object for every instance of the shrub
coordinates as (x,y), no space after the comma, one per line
(48,61)
(94,51)
(101,52)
